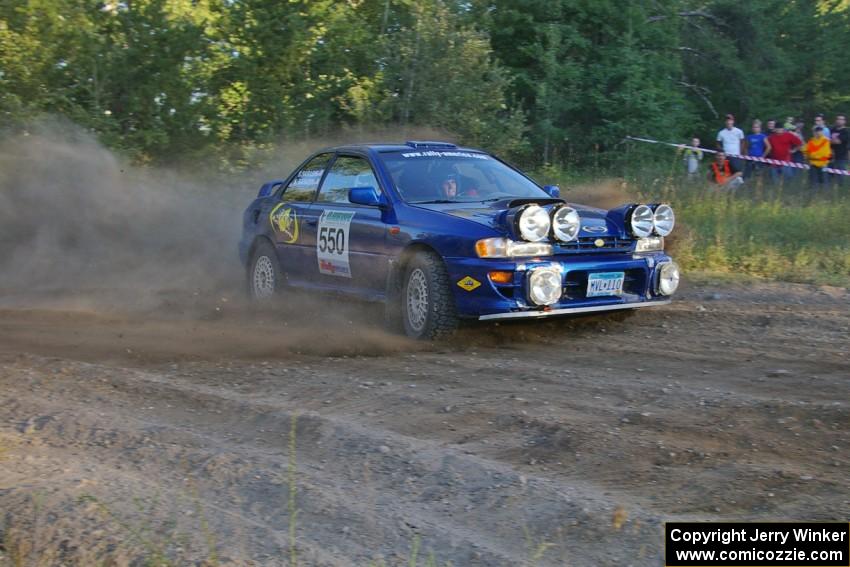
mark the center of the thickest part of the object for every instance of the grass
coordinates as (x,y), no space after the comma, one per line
(784,232)
(778,232)
(806,242)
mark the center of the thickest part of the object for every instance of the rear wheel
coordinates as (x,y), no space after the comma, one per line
(264,275)
(427,304)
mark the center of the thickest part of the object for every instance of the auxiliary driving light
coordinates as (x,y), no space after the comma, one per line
(533,223)
(642,221)
(663,220)
(544,286)
(668,278)
(565,224)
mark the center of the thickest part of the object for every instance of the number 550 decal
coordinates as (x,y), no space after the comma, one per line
(332,243)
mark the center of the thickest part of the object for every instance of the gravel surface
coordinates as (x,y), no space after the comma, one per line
(169,432)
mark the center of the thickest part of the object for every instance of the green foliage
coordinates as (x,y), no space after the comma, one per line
(590,72)
(543,81)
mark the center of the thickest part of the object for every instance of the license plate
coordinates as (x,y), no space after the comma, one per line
(607,283)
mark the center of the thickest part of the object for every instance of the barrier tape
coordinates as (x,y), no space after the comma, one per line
(748,158)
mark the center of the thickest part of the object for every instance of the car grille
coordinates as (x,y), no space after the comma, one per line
(575,284)
(586,244)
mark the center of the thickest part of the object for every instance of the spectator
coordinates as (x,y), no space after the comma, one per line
(800,129)
(724,173)
(770,126)
(757,146)
(819,121)
(840,146)
(692,156)
(819,152)
(782,143)
(729,140)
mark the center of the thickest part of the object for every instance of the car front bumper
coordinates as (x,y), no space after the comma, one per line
(573,310)
(491,300)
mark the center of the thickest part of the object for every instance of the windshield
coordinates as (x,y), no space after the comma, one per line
(453,176)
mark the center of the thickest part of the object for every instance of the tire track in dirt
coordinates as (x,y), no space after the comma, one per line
(447,474)
(732,403)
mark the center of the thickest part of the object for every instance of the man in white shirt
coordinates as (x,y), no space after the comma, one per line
(729,140)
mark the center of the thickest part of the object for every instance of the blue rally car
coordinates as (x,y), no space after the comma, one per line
(440,233)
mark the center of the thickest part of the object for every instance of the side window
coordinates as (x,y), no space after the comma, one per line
(303,186)
(346,173)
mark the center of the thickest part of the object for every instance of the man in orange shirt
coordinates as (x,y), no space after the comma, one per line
(819,152)
(723,172)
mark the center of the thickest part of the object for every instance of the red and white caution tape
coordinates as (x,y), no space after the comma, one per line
(748,158)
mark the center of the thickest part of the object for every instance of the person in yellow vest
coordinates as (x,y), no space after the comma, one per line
(723,172)
(819,153)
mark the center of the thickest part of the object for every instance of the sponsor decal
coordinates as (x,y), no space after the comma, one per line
(332,243)
(469,283)
(285,222)
(450,154)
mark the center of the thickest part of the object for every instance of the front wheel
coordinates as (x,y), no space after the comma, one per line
(427,304)
(264,276)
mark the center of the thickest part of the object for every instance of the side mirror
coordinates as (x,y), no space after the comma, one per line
(367,196)
(553,190)
(269,188)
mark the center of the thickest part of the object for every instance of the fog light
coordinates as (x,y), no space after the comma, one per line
(668,278)
(544,286)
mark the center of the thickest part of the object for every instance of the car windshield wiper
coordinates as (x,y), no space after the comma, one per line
(434,202)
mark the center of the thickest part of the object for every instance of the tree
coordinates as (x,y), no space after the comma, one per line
(589,72)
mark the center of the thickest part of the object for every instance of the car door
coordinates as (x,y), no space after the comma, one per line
(288,217)
(351,249)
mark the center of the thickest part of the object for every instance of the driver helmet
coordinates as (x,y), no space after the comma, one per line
(448,182)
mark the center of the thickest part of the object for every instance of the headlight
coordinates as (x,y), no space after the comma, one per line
(565,224)
(544,286)
(668,278)
(664,220)
(533,223)
(642,221)
(506,248)
(650,244)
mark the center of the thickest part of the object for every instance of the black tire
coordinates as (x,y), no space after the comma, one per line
(427,304)
(264,276)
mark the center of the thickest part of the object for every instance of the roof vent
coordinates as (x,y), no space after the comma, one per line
(426,144)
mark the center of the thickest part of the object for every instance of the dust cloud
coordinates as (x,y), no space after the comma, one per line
(75,219)
(103,258)
(78,221)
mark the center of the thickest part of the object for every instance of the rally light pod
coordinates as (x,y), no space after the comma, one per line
(566,223)
(529,222)
(663,220)
(641,221)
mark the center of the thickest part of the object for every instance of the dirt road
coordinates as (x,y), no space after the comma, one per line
(168,433)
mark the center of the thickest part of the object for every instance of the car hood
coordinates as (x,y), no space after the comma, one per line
(594,222)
